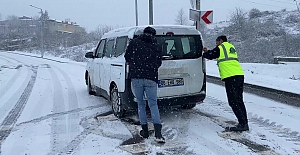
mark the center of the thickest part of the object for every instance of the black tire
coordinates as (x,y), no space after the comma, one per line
(116,102)
(89,87)
(189,106)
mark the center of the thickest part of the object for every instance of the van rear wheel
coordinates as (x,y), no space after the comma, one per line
(189,106)
(116,102)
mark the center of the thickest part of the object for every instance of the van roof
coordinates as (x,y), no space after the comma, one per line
(160,30)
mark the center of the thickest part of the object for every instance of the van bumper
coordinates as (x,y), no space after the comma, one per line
(131,105)
(181,100)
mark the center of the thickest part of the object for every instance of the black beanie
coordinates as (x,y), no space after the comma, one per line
(150,30)
(224,38)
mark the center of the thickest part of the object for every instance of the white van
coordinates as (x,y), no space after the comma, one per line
(182,75)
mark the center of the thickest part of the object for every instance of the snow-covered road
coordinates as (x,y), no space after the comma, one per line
(45,109)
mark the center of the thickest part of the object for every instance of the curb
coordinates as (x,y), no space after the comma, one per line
(36,57)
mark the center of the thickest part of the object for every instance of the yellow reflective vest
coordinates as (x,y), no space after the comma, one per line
(228,61)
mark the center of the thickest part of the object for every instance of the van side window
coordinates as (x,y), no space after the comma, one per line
(100,49)
(109,48)
(121,43)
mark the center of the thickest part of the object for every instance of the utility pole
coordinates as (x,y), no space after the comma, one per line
(150,12)
(42,26)
(136,14)
(42,35)
(198,8)
(297,4)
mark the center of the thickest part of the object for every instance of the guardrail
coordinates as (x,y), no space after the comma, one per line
(279,59)
(273,94)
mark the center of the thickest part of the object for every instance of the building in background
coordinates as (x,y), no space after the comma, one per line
(22,32)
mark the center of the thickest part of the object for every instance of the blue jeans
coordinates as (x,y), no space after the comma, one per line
(140,88)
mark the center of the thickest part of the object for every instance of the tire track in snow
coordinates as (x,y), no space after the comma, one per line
(278,129)
(68,148)
(7,59)
(241,138)
(13,98)
(182,121)
(73,120)
(40,119)
(9,83)
(12,117)
(73,101)
(90,125)
(58,126)
(174,130)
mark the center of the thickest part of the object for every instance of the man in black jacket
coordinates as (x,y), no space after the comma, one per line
(144,58)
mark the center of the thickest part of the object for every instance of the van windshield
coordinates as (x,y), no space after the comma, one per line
(180,46)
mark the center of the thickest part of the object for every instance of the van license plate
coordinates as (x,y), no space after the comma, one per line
(170,82)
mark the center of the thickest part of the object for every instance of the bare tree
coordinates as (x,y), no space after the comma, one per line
(238,17)
(239,21)
(12,17)
(100,31)
(181,18)
(14,24)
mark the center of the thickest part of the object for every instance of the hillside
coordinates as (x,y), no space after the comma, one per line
(259,36)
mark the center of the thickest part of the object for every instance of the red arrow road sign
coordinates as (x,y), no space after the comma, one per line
(205,17)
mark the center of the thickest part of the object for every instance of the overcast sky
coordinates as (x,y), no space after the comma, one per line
(91,13)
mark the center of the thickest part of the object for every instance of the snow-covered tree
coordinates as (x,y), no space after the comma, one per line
(254,13)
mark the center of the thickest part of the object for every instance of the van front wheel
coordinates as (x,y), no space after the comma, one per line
(89,87)
(116,102)
(188,106)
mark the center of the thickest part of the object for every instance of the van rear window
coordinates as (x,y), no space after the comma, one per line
(180,46)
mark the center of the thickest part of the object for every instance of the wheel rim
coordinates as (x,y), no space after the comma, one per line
(116,102)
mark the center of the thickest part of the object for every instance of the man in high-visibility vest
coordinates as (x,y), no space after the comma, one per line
(232,73)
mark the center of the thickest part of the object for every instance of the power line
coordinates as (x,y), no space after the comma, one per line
(282,2)
(263,4)
(291,1)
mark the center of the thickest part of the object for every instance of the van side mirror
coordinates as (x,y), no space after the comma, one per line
(89,55)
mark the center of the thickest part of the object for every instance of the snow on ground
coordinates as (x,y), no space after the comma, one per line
(59,115)
(267,118)
(55,105)
(285,77)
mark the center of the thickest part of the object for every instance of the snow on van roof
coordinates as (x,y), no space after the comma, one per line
(160,30)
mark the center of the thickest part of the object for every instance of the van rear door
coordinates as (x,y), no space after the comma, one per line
(182,70)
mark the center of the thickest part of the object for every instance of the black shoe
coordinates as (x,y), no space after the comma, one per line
(144,133)
(239,127)
(158,137)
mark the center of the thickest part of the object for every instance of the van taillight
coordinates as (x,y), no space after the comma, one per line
(169,33)
(203,65)
(126,70)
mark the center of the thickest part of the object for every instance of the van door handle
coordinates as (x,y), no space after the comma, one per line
(118,65)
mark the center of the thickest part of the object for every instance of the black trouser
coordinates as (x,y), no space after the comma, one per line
(234,89)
